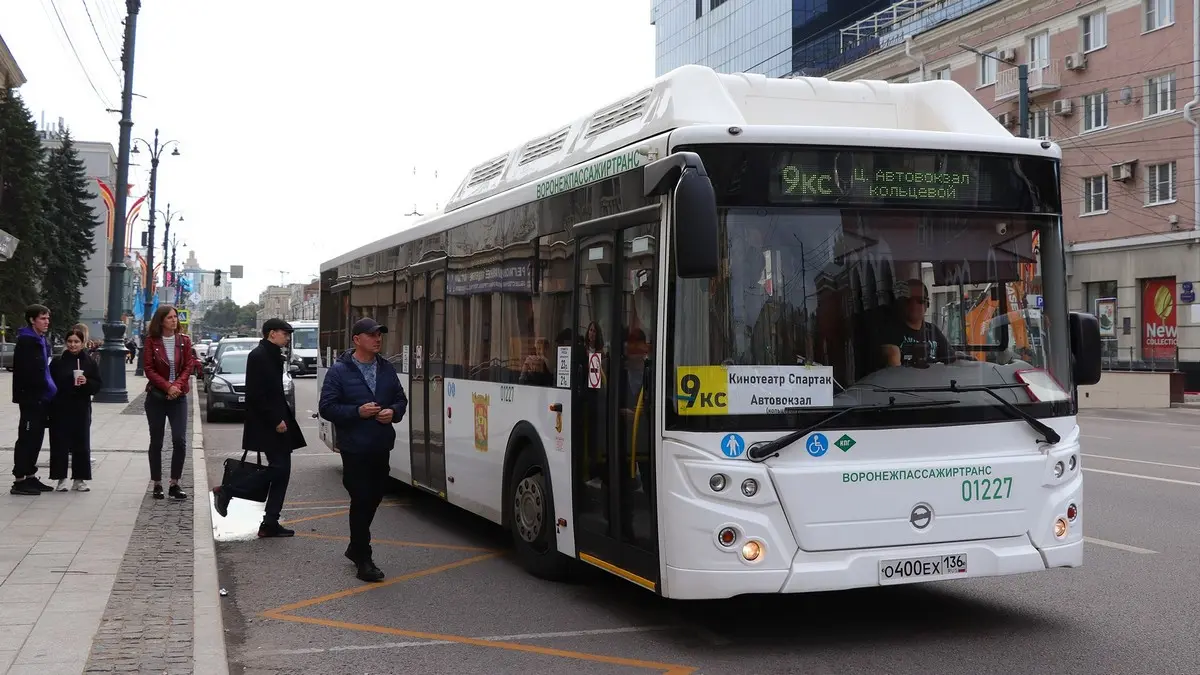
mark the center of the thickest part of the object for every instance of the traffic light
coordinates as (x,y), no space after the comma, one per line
(217,278)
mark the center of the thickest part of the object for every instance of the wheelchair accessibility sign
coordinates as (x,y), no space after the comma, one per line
(817,445)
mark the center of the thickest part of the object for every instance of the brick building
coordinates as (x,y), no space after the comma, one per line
(1109,81)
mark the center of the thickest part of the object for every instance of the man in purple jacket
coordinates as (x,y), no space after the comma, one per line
(33,389)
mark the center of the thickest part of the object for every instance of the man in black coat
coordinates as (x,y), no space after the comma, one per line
(33,389)
(270,425)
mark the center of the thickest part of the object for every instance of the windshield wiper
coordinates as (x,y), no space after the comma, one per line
(1051,436)
(764,450)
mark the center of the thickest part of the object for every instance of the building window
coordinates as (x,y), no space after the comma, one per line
(1039,50)
(1039,124)
(1093,28)
(1095,111)
(987,68)
(1095,194)
(1160,183)
(1159,13)
(715,4)
(1160,94)
(699,8)
(942,73)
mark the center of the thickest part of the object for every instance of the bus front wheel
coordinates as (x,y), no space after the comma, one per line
(532,518)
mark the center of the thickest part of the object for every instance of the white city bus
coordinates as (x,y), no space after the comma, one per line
(663,339)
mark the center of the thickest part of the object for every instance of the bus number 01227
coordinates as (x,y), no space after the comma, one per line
(987,489)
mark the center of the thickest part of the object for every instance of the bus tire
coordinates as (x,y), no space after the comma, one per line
(532,517)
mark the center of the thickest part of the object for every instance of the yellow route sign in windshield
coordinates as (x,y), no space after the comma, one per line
(751,390)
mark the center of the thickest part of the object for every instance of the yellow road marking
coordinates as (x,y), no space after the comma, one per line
(394,542)
(281,614)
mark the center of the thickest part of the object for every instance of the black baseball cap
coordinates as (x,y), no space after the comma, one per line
(276,324)
(367,325)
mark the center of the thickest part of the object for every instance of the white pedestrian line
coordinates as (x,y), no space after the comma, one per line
(1155,422)
(1143,461)
(1122,547)
(1138,475)
(1103,438)
(491,638)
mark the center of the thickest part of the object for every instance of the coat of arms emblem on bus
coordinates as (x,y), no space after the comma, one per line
(481,421)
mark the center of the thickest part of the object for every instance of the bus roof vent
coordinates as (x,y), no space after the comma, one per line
(487,171)
(618,113)
(544,146)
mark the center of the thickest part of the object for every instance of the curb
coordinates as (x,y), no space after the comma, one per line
(208,626)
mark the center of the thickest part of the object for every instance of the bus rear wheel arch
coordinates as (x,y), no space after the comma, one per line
(529,510)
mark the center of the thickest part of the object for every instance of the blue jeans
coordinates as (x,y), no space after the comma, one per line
(158,411)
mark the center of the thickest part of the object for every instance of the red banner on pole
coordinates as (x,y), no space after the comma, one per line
(1159,327)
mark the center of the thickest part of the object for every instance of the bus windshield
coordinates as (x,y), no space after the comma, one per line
(304,338)
(817,309)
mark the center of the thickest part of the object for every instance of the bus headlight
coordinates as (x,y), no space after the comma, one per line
(1060,528)
(1058,469)
(717,482)
(749,487)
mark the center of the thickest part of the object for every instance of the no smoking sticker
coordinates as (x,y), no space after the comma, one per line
(594,370)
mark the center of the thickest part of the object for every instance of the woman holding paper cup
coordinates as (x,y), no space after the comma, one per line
(78,379)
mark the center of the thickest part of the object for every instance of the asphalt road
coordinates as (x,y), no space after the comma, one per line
(453,602)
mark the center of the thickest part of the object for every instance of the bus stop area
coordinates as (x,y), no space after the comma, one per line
(455,602)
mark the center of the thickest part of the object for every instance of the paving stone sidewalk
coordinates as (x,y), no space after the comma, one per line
(110,580)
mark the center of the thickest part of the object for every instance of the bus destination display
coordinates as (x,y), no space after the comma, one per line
(854,177)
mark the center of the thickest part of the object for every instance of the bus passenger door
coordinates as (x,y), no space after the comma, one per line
(428,283)
(615,402)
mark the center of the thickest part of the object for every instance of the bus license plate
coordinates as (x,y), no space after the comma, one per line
(904,570)
(241,399)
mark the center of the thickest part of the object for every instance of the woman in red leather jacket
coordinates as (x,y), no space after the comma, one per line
(168,362)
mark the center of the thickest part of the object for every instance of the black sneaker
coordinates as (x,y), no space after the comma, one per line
(23,487)
(158,492)
(177,492)
(39,485)
(367,571)
(222,499)
(274,529)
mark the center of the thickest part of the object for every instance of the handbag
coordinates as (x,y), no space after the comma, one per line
(246,480)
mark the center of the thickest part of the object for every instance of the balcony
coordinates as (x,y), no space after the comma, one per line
(1043,76)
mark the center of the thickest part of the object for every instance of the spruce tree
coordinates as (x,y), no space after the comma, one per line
(22,195)
(71,224)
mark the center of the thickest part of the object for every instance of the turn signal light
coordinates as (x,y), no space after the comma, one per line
(1060,528)
(727,536)
(752,550)
(1071,463)
(1072,513)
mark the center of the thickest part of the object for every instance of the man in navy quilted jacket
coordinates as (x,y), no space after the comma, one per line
(363,398)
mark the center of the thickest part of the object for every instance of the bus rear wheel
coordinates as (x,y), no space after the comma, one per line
(532,518)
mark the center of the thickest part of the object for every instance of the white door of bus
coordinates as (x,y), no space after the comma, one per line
(613,435)
(428,319)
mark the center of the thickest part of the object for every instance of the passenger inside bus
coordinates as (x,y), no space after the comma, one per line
(913,341)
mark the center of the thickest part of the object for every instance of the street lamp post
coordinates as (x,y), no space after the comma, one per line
(112,354)
(148,300)
(167,218)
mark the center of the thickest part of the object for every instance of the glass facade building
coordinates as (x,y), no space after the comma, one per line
(772,37)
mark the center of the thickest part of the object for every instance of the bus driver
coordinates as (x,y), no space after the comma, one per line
(914,341)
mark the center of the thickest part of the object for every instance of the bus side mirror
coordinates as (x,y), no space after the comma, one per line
(1085,347)
(694,229)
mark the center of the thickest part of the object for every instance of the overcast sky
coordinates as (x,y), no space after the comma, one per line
(301,122)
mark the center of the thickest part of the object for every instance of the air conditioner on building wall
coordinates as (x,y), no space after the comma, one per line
(1008,55)
(1122,172)
(1007,119)
(1076,61)
(1062,106)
